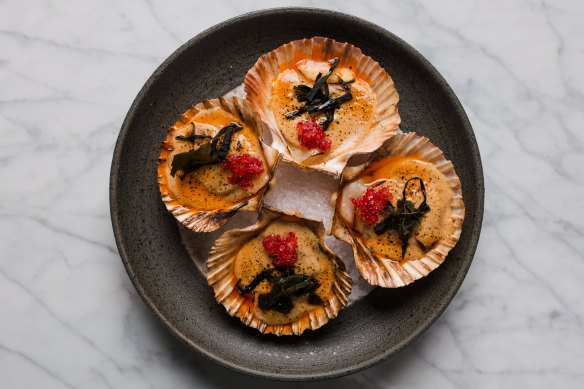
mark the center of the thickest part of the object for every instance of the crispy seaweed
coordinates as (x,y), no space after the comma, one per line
(317,97)
(405,217)
(206,154)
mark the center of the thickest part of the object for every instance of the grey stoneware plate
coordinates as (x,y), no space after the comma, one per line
(211,64)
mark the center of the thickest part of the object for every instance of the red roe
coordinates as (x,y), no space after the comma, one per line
(243,169)
(371,203)
(312,136)
(282,248)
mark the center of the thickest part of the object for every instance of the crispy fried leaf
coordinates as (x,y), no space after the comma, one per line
(191,160)
(279,298)
(285,286)
(318,98)
(320,81)
(330,116)
(264,275)
(302,92)
(405,218)
(332,102)
(224,147)
(314,299)
(192,137)
(206,154)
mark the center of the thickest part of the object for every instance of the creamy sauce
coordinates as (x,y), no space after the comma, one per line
(393,173)
(208,187)
(353,119)
(252,259)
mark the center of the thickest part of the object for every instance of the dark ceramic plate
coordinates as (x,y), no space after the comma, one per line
(210,65)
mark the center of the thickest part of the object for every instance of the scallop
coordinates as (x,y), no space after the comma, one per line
(358,125)
(238,261)
(205,198)
(409,168)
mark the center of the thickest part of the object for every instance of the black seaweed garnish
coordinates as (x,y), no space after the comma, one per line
(405,218)
(285,286)
(192,137)
(314,299)
(426,248)
(264,275)
(318,99)
(206,154)
(224,147)
(279,298)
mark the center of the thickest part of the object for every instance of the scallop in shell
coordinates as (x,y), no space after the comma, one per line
(358,121)
(245,278)
(413,211)
(206,196)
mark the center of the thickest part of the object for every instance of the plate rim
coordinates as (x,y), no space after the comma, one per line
(120,241)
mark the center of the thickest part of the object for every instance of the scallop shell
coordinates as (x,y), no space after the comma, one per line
(209,220)
(258,85)
(385,272)
(220,275)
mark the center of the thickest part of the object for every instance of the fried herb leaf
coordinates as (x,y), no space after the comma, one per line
(318,98)
(319,82)
(405,218)
(314,299)
(264,275)
(224,147)
(192,137)
(302,92)
(206,154)
(330,116)
(426,248)
(332,102)
(191,160)
(286,285)
(279,298)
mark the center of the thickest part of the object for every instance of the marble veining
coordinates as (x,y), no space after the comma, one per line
(70,316)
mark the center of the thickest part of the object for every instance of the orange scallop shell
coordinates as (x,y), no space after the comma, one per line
(382,271)
(200,220)
(258,85)
(220,275)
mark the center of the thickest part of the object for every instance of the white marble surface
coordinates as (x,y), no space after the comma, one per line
(70,316)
